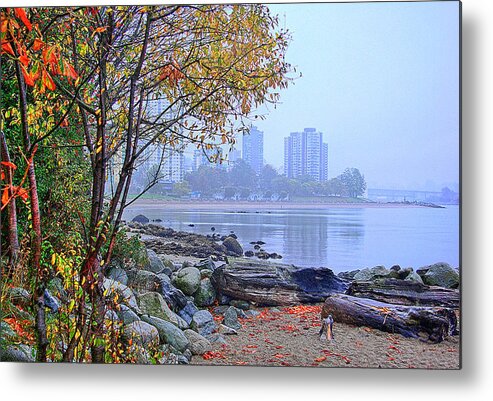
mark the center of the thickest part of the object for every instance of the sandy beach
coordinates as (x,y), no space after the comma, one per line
(143,204)
(289,337)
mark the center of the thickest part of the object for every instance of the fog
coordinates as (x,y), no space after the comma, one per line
(381,81)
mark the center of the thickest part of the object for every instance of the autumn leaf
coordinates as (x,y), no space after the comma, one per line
(2,175)
(69,71)
(7,48)
(38,44)
(21,14)
(22,192)
(4,25)
(24,60)
(321,359)
(27,77)
(5,196)
(9,164)
(47,80)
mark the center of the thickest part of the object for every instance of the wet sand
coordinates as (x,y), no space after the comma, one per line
(290,338)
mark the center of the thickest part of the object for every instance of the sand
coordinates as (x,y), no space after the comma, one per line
(291,339)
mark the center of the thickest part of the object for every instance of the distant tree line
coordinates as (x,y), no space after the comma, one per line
(242,181)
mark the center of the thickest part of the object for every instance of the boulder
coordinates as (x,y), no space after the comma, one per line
(145,281)
(205,273)
(206,263)
(125,294)
(118,274)
(20,297)
(141,333)
(205,295)
(172,295)
(153,304)
(231,318)
(273,284)
(187,280)
(440,274)
(239,304)
(155,264)
(168,332)
(16,353)
(233,246)
(349,275)
(203,323)
(414,277)
(371,274)
(226,330)
(199,345)
(127,315)
(50,301)
(140,218)
(217,338)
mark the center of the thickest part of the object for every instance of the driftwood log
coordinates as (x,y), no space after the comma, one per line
(404,292)
(433,324)
(272,284)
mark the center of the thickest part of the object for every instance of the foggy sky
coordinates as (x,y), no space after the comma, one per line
(381,81)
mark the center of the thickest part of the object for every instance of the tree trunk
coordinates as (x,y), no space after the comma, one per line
(404,292)
(433,324)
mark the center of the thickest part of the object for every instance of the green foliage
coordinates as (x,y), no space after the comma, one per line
(129,249)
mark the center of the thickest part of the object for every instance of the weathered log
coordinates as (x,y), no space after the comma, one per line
(433,324)
(404,292)
(273,284)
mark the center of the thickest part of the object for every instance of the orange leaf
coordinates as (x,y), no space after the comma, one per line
(27,77)
(64,123)
(5,196)
(24,60)
(22,192)
(4,25)
(69,71)
(321,359)
(38,44)
(9,164)
(100,29)
(7,48)
(2,175)
(48,80)
(21,14)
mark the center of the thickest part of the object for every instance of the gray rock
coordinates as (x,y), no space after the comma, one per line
(440,274)
(55,286)
(183,360)
(145,281)
(50,301)
(187,280)
(127,315)
(239,304)
(233,246)
(413,276)
(199,345)
(112,316)
(153,304)
(231,318)
(227,330)
(205,273)
(168,333)
(125,294)
(217,338)
(206,264)
(188,354)
(6,331)
(17,353)
(118,274)
(205,294)
(168,357)
(371,274)
(20,297)
(141,333)
(182,323)
(203,323)
(221,309)
(140,218)
(155,264)
(252,313)
(163,276)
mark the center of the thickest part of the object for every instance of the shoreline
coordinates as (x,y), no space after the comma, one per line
(240,206)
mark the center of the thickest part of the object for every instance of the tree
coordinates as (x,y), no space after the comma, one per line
(243,175)
(335,187)
(267,174)
(354,181)
(182,188)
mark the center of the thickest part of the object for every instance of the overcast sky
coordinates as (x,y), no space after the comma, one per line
(381,81)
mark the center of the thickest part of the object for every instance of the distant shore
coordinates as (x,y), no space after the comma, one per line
(244,206)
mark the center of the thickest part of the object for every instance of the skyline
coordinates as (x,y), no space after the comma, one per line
(382,86)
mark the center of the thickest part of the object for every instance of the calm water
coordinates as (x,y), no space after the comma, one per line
(342,238)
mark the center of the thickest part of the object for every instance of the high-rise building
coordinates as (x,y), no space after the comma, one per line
(169,161)
(208,157)
(253,149)
(305,154)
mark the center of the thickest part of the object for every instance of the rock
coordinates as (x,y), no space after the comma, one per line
(172,295)
(205,295)
(155,264)
(238,303)
(205,273)
(249,254)
(182,324)
(188,311)
(395,268)
(141,333)
(220,310)
(187,280)
(203,323)
(140,218)
(145,281)
(168,357)
(118,274)
(55,286)
(16,353)
(275,284)
(252,313)
(440,274)
(223,329)
(231,318)
(168,263)
(125,294)
(415,277)
(112,316)
(168,333)
(206,263)
(371,274)
(405,272)
(20,297)
(127,315)
(349,275)
(153,304)
(217,338)
(51,302)
(199,345)
(6,331)
(233,246)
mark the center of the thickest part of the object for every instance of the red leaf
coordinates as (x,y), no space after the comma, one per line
(321,359)
(7,48)
(27,77)
(5,196)
(69,71)
(21,14)
(9,164)
(38,44)
(2,175)
(24,60)
(48,80)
